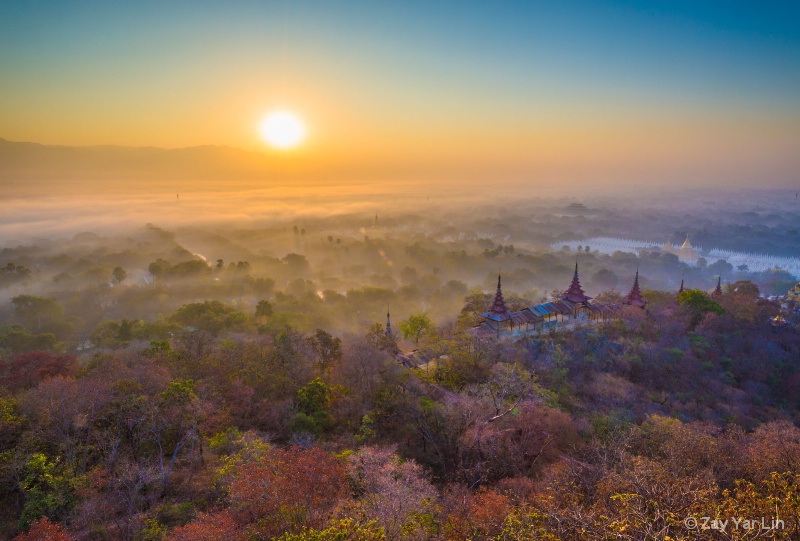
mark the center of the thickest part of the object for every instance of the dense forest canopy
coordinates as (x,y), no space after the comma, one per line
(220,381)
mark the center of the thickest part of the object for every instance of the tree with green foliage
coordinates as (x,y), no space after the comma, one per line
(699,304)
(12,423)
(159,267)
(210,316)
(119,274)
(327,347)
(297,264)
(416,326)
(376,337)
(193,267)
(175,424)
(263,310)
(112,333)
(40,314)
(49,489)
(312,401)
(16,339)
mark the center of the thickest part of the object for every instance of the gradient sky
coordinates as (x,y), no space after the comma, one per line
(685,92)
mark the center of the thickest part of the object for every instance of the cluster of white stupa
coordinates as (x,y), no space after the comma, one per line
(749,262)
(756,262)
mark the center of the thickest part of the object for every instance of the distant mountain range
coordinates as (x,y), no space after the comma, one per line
(27,167)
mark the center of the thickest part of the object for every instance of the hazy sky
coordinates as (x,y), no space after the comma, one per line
(689,92)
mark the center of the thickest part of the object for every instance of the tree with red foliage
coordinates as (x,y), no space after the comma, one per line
(26,370)
(474,515)
(44,530)
(218,526)
(288,490)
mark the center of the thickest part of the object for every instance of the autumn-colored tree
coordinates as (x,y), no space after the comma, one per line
(341,530)
(769,509)
(286,490)
(26,370)
(396,493)
(215,526)
(44,530)
(327,347)
(515,445)
(476,516)
(175,425)
(772,447)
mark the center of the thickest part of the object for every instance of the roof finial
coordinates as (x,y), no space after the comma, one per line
(388,322)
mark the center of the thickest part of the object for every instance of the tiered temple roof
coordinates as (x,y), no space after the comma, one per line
(634,297)
(575,292)
(498,310)
(572,304)
(717,290)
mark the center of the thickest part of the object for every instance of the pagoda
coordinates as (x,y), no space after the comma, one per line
(687,252)
(717,290)
(388,323)
(575,292)
(634,297)
(498,310)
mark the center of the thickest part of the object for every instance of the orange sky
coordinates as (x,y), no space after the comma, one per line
(607,94)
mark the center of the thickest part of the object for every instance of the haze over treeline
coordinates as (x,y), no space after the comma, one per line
(335,261)
(36,169)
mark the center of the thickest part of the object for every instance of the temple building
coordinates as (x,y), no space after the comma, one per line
(574,305)
(634,297)
(685,253)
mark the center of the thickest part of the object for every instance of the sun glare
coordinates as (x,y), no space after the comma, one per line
(282,129)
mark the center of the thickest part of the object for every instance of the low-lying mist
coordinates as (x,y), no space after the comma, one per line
(337,257)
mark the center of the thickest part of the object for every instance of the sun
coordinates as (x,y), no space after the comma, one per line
(282,129)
